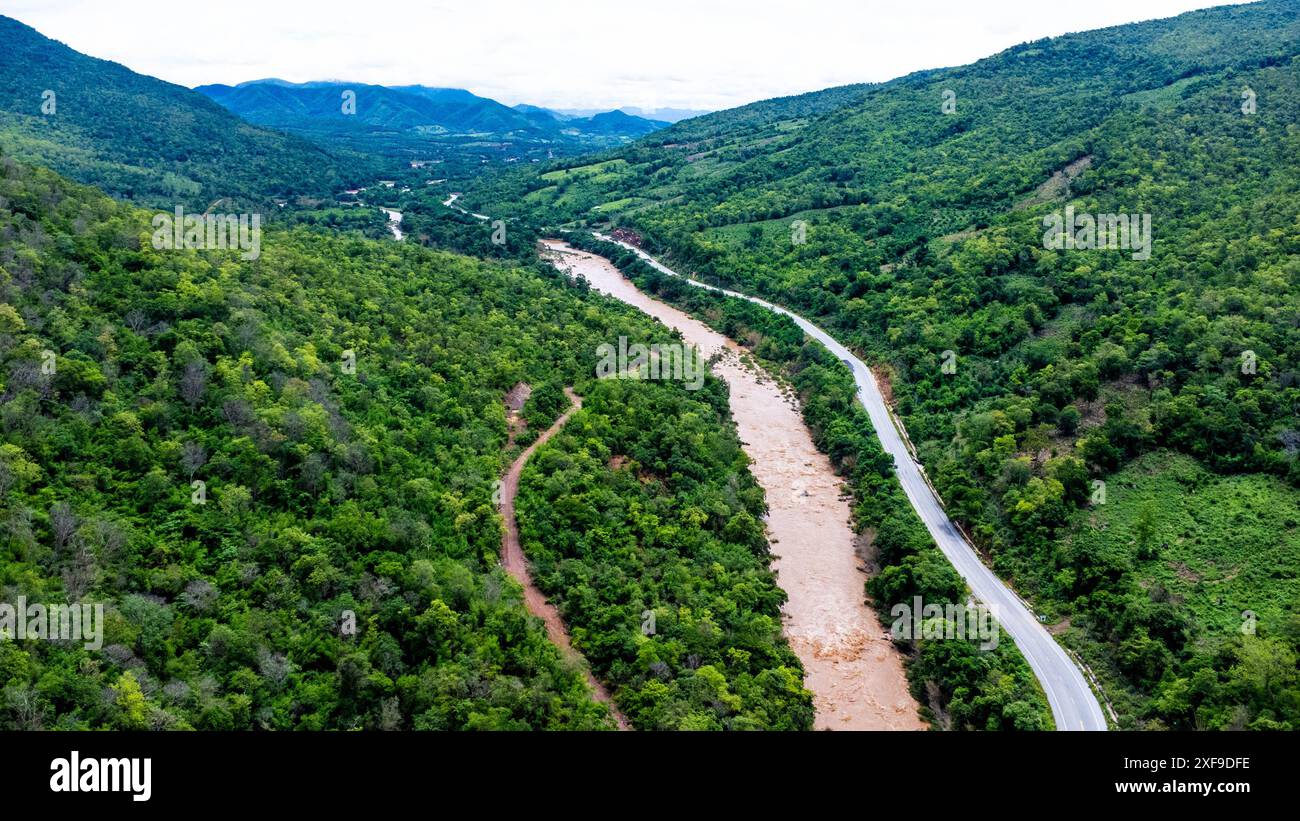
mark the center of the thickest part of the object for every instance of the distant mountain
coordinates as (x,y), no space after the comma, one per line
(536,109)
(274,81)
(463,110)
(138,137)
(667,115)
(320,106)
(316,109)
(615,123)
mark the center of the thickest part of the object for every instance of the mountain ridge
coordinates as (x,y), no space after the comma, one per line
(310,105)
(193,150)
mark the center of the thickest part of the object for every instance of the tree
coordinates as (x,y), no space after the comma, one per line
(1144,533)
(194,382)
(1067,421)
(131,704)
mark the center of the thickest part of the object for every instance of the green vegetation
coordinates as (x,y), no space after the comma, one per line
(642,520)
(1216,557)
(596,172)
(960,686)
(369,222)
(141,138)
(419,133)
(906,217)
(327,490)
(923,233)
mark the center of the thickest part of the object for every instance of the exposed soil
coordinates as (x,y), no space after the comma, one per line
(514,402)
(512,559)
(626,235)
(1058,185)
(883,378)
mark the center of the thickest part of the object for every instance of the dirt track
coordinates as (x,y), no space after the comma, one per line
(512,559)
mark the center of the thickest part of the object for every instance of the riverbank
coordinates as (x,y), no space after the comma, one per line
(854,672)
(1058,679)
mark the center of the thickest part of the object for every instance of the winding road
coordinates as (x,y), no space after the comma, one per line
(1073,704)
(450,202)
(514,562)
(851,667)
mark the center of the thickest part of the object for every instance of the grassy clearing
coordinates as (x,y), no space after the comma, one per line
(1223,544)
(585,170)
(619,205)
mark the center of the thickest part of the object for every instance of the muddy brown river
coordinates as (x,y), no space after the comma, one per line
(852,669)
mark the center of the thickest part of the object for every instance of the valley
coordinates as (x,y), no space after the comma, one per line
(515,563)
(1073,704)
(1011,343)
(852,668)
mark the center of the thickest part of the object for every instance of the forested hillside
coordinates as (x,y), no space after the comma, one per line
(141,138)
(910,222)
(320,106)
(278,473)
(277,476)
(643,521)
(959,684)
(317,109)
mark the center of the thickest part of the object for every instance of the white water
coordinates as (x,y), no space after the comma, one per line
(394,222)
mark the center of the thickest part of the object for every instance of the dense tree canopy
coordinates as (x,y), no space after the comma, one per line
(1027,375)
(240,459)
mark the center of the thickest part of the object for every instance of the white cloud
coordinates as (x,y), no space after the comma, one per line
(567,53)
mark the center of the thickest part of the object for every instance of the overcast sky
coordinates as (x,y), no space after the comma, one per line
(567,53)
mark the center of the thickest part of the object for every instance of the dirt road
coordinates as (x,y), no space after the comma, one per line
(513,560)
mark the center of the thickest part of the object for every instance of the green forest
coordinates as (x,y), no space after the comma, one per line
(958,685)
(340,400)
(915,236)
(642,521)
(279,474)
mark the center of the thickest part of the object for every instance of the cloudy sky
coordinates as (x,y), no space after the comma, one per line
(567,53)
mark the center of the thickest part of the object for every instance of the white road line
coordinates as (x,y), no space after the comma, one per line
(1068,694)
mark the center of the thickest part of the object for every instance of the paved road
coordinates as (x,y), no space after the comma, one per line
(450,202)
(1074,706)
